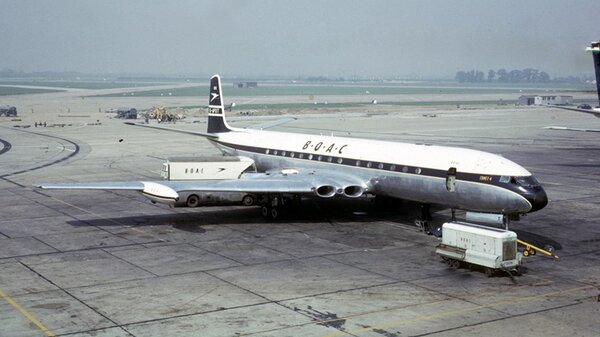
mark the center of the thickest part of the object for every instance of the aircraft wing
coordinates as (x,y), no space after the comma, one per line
(325,184)
(564,128)
(587,111)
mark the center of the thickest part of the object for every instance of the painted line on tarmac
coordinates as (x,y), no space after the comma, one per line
(26,314)
(450,313)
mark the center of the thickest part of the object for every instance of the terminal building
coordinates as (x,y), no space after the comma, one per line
(245,84)
(545,100)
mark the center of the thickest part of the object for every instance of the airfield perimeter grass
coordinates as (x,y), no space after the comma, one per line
(80,84)
(316,90)
(5,91)
(312,106)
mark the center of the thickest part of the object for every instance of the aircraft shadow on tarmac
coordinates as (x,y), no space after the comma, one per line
(308,211)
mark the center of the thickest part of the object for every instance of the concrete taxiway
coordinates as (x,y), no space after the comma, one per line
(95,263)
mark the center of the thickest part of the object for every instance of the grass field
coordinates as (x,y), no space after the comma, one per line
(79,84)
(5,91)
(289,89)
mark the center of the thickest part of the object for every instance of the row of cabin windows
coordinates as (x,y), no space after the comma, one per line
(339,160)
(192,170)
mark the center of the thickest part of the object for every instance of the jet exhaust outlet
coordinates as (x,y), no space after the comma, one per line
(353,191)
(325,191)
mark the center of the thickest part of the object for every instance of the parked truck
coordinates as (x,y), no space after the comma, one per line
(127,113)
(8,111)
(208,168)
(470,244)
(203,168)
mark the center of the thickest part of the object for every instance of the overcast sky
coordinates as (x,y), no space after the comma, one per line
(297,38)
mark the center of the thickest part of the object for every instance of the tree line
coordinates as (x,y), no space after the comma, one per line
(527,75)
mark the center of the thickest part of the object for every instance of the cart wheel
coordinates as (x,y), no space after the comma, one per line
(526,252)
(533,252)
(248,200)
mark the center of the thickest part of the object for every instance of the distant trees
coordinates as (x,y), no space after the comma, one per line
(470,76)
(527,75)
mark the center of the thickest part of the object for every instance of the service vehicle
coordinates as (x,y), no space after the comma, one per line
(474,245)
(208,168)
(8,111)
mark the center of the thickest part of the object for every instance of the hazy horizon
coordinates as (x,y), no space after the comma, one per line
(430,39)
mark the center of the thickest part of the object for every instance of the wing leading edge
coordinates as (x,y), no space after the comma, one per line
(166,191)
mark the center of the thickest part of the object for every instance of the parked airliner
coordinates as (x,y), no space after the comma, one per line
(292,164)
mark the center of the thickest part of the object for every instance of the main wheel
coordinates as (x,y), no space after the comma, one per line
(265,211)
(275,213)
(193,201)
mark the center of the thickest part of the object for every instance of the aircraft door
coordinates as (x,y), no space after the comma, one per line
(451,180)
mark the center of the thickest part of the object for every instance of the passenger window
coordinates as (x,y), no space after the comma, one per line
(504,179)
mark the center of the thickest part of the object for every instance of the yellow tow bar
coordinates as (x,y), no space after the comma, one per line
(531,250)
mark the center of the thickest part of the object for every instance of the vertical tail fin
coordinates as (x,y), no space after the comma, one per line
(595,49)
(216,111)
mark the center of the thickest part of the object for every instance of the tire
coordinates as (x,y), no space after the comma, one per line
(248,200)
(193,201)
(275,213)
(526,252)
(265,211)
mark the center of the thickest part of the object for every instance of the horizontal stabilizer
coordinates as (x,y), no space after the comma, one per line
(272,124)
(189,132)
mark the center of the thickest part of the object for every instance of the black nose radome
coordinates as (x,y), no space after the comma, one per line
(538,199)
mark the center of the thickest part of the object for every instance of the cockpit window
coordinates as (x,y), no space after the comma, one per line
(527,181)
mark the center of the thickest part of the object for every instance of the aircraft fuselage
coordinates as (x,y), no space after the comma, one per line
(455,177)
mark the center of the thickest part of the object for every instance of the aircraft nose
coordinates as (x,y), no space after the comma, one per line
(538,199)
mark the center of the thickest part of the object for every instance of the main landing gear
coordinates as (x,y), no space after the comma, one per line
(274,207)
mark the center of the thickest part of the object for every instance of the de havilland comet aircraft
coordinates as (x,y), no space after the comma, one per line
(289,165)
